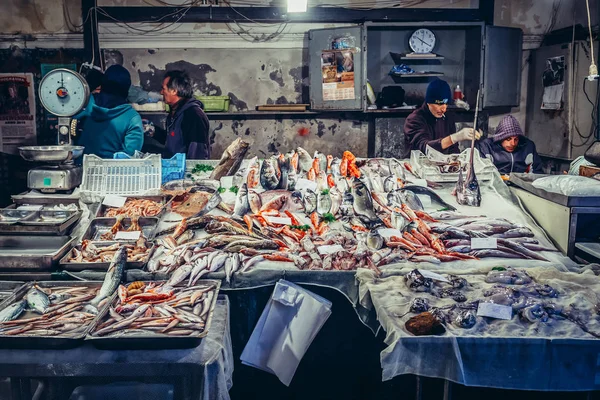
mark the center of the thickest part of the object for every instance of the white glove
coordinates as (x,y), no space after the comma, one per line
(465,134)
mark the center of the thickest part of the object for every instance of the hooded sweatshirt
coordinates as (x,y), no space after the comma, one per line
(110,130)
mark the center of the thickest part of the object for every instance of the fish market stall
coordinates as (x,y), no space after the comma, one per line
(502,327)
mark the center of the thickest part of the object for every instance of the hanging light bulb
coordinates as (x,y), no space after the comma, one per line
(297,5)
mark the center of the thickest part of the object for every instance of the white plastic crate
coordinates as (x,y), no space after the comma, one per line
(121,177)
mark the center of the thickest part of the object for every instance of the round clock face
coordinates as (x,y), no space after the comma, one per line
(422,41)
(63,92)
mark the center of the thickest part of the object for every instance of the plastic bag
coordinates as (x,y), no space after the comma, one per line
(569,185)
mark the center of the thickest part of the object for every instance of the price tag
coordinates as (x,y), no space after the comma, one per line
(112,200)
(433,275)
(484,243)
(30,207)
(302,183)
(425,200)
(389,232)
(128,235)
(492,310)
(329,249)
(279,220)
(227,182)
(419,182)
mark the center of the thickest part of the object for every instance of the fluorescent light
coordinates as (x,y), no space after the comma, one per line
(297,5)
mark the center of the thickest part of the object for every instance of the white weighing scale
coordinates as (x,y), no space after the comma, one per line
(63,93)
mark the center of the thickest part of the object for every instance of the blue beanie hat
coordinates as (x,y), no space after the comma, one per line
(438,92)
(116,80)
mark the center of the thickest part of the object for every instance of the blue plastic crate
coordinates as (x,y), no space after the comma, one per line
(173,168)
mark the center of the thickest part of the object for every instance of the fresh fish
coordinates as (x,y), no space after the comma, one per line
(335,167)
(304,160)
(363,203)
(212,203)
(510,276)
(336,200)
(398,221)
(515,233)
(179,276)
(253,177)
(268,175)
(242,206)
(292,179)
(521,249)
(412,201)
(13,311)
(390,184)
(435,198)
(464,249)
(494,253)
(451,215)
(254,201)
(322,181)
(374,240)
(397,169)
(322,158)
(294,202)
(112,277)
(310,201)
(467,187)
(536,247)
(37,300)
(284,168)
(199,266)
(218,262)
(347,206)
(376,183)
(231,159)
(323,202)
(276,203)
(229,267)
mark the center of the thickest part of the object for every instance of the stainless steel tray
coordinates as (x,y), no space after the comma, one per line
(102,266)
(99,226)
(152,341)
(525,182)
(159,199)
(10,217)
(33,227)
(45,342)
(7,289)
(51,154)
(31,252)
(47,199)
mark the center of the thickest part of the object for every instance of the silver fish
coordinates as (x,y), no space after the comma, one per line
(242,206)
(218,262)
(229,267)
(254,201)
(268,175)
(284,169)
(390,183)
(199,266)
(310,201)
(435,198)
(112,277)
(398,221)
(178,276)
(37,300)
(323,203)
(363,203)
(304,160)
(322,160)
(230,159)
(397,169)
(467,188)
(13,311)
(336,200)
(374,240)
(335,167)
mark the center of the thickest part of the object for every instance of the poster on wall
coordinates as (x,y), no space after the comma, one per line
(338,75)
(17,112)
(553,80)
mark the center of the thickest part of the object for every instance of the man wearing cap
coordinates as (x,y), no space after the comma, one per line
(510,150)
(111,125)
(430,125)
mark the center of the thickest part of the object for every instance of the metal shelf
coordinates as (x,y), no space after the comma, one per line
(416,75)
(403,56)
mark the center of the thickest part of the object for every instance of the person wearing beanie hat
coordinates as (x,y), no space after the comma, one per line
(110,124)
(510,150)
(431,125)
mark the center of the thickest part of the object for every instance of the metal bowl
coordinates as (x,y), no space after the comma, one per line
(51,154)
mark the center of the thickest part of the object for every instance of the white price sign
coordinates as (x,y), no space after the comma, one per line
(433,275)
(484,243)
(128,235)
(492,310)
(389,232)
(112,200)
(278,220)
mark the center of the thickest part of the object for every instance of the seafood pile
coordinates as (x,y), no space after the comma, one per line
(118,227)
(136,208)
(144,309)
(50,311)
(531,302)
(89,252)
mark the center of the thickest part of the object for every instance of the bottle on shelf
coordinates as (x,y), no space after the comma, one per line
(458,94)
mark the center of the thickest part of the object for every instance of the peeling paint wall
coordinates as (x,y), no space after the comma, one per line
(40,16)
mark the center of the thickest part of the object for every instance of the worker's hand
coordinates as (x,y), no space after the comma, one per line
(465,134)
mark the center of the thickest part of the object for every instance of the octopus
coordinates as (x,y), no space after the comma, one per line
(509,276)
(417,282)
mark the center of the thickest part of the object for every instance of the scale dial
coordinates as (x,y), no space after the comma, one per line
(64,92)
(422,41)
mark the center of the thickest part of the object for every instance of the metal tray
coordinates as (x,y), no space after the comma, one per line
(159,199)
(10,217)
(525,182)
(99,226)
(25,341)
(156,341)
(31,252)
(32,227)
(47,199)
(7,289)
(51,154)
(102,266)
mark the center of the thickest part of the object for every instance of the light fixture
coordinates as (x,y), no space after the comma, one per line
(294,6)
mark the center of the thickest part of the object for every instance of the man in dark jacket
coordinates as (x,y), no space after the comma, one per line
(510,150)
(187,125)
(429,125)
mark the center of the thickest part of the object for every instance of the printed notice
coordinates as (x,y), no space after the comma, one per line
(17,112)
(492,310)
(112,200)
(128,235)
(433,275)
(278,220)
(484,243)
(337,68)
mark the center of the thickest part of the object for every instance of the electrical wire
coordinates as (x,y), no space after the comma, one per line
(593,68)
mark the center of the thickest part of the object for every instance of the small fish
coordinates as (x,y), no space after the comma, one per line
(253,177)
(276,203)
(199,266)
(112,277)
(231,159)
(363,203)
(284,168)
(323,203)
(229,267)
(254,201)
(336,200)
(13,311)
(304,160)
(374,240)
(335,167)
(178,276)
(242,206)
(268,175)
(218,262)
(310,201)
(515,233)
(390,184)
(37,300)
(398,221)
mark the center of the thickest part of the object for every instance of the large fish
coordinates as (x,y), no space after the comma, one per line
(13,311)
(268,175)
(231,159)
(284,168)
(37,300)
(363,202)
(241,206)
(428,192)
(112,277)
(304,160)
(467,188)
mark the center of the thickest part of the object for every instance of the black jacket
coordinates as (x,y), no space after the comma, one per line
(517,161)
(421,128)
(188,130)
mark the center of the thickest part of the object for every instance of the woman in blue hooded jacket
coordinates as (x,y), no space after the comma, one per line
(111,125)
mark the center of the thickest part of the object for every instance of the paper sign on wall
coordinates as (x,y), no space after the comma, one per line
(337,68)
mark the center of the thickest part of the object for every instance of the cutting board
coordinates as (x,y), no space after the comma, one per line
(282,107)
